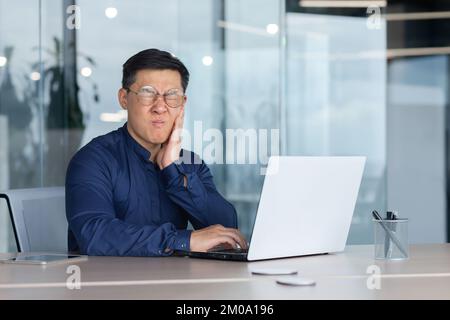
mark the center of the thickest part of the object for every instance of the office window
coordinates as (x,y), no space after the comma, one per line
(336,98)
(279,76)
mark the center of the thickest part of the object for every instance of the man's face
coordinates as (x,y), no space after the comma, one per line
(152,125)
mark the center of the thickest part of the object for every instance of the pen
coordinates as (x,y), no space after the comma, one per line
(393,237)
(387,241)
(394,217)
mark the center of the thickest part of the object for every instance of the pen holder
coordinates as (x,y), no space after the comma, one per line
(391,239)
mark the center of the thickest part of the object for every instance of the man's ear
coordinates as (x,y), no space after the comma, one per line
(122,96)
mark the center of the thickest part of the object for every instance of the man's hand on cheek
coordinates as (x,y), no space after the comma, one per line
(170,150)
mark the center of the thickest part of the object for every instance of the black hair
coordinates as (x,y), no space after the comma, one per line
(152,59)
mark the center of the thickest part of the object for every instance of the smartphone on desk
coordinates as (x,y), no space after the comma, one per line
(45,259)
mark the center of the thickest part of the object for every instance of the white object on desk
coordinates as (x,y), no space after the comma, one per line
(273,271)
(45,259)
(296,281)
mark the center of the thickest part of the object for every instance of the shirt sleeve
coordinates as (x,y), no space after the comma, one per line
(199,198)
(92,218)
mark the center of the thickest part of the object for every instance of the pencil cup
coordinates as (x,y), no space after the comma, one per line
(391,239)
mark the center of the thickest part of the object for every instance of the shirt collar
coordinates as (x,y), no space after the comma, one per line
(143,153)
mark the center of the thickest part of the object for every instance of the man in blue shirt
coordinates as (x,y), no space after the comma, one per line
(132,191)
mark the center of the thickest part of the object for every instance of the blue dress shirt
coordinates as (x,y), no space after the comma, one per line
(119,203)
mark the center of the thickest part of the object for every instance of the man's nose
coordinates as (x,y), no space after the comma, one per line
(159,106)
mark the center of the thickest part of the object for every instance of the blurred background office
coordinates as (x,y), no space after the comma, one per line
(338,77)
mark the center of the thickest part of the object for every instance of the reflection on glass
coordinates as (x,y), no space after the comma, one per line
(18,95)
(336,93)
(418,98)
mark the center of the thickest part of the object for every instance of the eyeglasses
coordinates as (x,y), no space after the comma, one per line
(148,95)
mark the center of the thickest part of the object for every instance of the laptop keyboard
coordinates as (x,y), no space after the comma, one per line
(218,250)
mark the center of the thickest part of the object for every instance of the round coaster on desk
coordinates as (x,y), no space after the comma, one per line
(296,281)
(273,271)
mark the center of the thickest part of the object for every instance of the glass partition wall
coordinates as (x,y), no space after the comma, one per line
(278,77)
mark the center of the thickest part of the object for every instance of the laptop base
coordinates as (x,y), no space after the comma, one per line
(233,256)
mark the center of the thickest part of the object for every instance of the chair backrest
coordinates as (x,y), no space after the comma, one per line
(39,218)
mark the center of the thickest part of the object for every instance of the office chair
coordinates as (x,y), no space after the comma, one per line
(38,217)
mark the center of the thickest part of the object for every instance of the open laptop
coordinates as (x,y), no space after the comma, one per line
(305,208)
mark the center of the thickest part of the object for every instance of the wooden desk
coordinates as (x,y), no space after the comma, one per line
(426,275)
